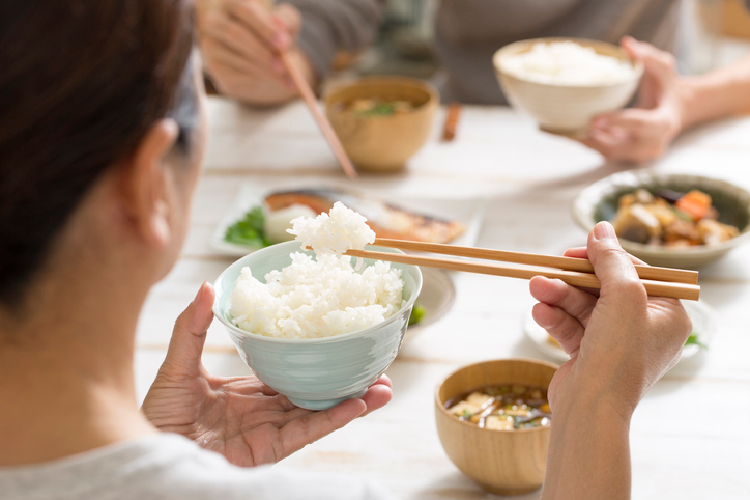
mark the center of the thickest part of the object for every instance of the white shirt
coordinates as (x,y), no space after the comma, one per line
(166,467)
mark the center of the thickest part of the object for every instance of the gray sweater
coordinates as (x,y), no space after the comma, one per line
(468,32)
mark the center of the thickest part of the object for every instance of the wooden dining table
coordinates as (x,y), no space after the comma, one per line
(690,436)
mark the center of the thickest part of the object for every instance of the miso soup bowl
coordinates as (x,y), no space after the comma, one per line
(382,143)
(320,373)
(503,462)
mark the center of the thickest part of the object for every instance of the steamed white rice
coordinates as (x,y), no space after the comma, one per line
(339,230)
(321,296)
(567,63)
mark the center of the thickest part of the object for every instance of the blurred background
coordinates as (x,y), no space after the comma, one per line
(714,32)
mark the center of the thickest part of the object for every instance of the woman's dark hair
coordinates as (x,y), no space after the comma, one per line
(81,82)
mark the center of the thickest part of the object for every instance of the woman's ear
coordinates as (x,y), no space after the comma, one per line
(145,183)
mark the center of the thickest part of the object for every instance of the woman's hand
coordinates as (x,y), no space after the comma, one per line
(240,417)
(645,132)
(621,341)
(240,42)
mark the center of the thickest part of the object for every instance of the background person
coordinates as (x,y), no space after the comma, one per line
(102,140)
(240,41)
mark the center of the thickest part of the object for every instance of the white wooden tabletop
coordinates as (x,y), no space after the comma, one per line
(681,448)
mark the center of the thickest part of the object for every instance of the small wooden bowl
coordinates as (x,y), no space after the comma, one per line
(503,462)
(382,143)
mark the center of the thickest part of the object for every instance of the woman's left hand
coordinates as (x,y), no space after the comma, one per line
(241,418)
(645,132)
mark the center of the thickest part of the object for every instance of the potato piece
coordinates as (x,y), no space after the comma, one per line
(662,211)
(711,232)
(639,196)
(635,223)
(681,230)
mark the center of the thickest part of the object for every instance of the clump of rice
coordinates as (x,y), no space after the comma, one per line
(321,296)
(567,63)
(339,230)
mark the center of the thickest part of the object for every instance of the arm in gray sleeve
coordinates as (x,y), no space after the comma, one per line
(332,25)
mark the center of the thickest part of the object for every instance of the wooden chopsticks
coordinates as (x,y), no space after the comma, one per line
(658,281)
(323,124)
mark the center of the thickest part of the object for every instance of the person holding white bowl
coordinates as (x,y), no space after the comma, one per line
(100,158)
(241,39)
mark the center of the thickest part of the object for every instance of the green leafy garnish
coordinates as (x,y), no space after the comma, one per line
(248,231)
(682,215)
(380,108)
(417,314)
(693,339)
(466,415)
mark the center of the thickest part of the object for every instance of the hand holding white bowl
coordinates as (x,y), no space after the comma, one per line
(240,417)
(645,132)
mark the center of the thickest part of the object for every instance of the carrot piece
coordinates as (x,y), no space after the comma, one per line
(696,204)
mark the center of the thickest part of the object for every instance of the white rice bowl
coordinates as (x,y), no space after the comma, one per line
(567,63)
(322,296)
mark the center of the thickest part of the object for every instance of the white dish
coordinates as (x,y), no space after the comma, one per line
(437,296)
(701,314)
(468,211)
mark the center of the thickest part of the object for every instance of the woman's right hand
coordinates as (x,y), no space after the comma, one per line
(241,41)
(621,341)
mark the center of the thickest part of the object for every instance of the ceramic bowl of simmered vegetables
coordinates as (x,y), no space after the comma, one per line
(493,420)
(668,220)
(382,121)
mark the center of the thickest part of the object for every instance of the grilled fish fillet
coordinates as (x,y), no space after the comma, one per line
(386,219)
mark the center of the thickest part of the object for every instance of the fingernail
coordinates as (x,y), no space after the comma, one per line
(199,296)
(604,231)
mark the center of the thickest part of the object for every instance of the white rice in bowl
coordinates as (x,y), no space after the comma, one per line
(339,230)
(320,296)
(567,63)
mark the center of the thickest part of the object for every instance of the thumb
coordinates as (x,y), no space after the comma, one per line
(657,63)
(189,334)
(614,268)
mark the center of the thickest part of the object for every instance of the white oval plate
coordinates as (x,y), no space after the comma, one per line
(437,297)
(468,211)
(701,314)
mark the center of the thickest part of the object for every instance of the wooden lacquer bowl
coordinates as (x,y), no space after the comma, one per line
(382,143)
(504,462)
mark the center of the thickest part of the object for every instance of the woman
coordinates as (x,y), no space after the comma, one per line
(101,137)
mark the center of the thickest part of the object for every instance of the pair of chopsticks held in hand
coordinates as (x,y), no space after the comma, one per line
(658,281)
